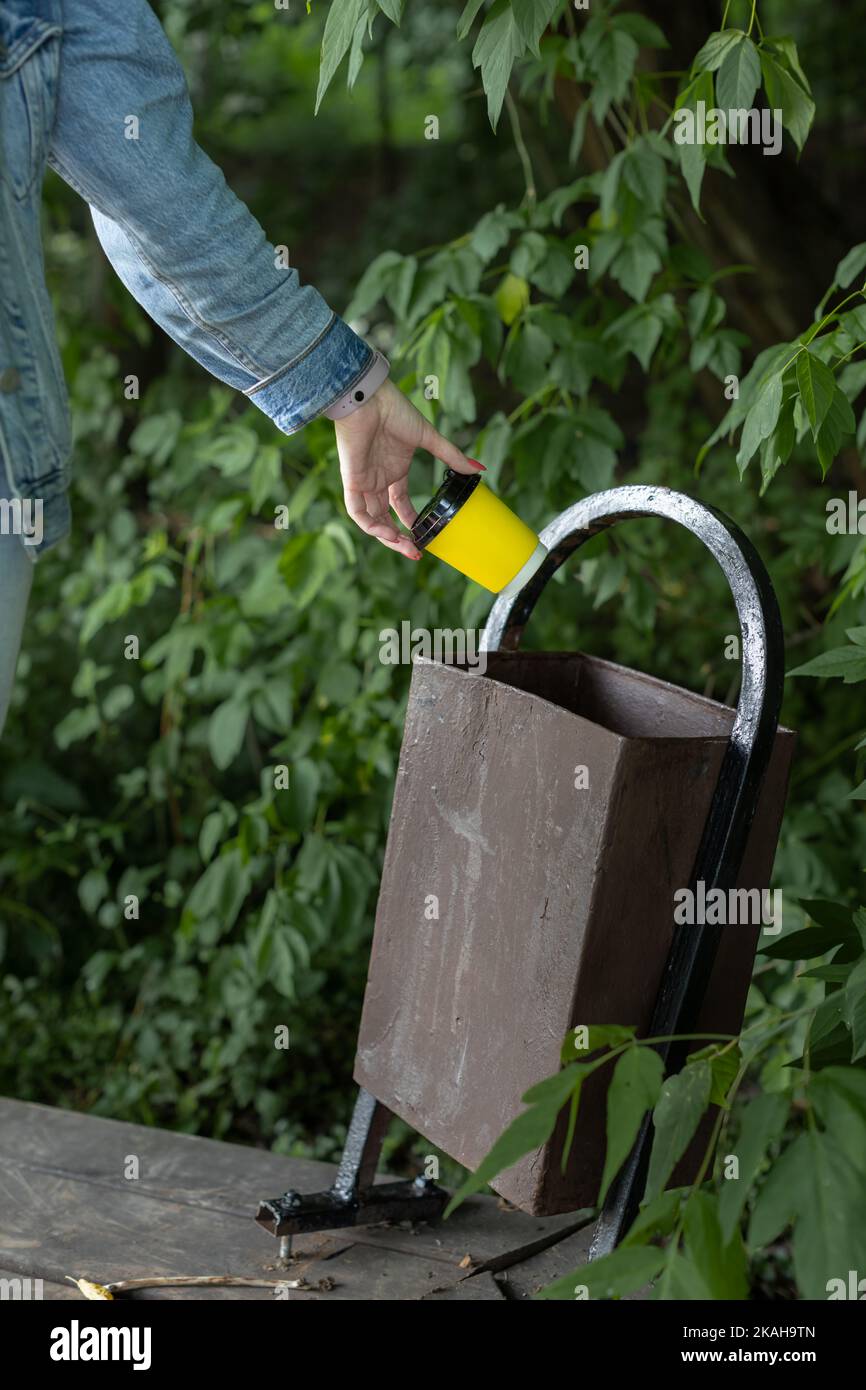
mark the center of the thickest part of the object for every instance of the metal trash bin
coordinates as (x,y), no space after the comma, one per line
(554,903)
(545,814)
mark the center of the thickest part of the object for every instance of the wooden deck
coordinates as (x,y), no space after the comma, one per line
(67,1209)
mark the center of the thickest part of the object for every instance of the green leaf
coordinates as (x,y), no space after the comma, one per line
(598,1035)
(528,254)
(839,1097)
(492,232)
(680,1279)
(392,8)
(810,942)
(467,19)
(692,156)
(116,702)
(92,890)
(765,365)
(636,265)
(281,965)
(784,93)
(527,355)
(854,1009)
(817,385)
(637,331)
(76,725)
(498,45)
(852,379)
(776,450)
(850,266)
(634,1089)
(720,1259)
(578,132)
(343,17)
(645,174)
(157,436)
(221,890)
(693,162)
(656,1218)
(835,917)
(849,662)
(724,1064)
(739,77)
(762,1122)
(788,48)
(717,48)
(373,283)
(491,449)
(613,58)
(555,272)
(835,974)
(838,424)
(212,828)
(641,29)
(613,1276)
(265,475)
(815,1187)
(356,52)
(399,286)
(532,18)
(296,805)
(226,731)
(761,420)
(683,1100)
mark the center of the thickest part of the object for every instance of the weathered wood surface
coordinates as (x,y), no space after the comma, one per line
(67,1209)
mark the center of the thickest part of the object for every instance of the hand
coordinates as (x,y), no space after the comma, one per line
(376,444)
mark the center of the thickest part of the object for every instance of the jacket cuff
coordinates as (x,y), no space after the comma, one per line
(308,385)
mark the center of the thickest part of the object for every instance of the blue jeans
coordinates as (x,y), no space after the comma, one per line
(16,577)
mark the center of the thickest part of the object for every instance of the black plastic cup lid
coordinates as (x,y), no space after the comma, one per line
(455,489)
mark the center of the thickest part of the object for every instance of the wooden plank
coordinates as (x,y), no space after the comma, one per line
(51,1226)
(523,1280)
(49,1289)
(367,1273)
(479,1288)
(230,1179)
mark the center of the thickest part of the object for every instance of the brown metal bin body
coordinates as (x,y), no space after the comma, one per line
(555,901)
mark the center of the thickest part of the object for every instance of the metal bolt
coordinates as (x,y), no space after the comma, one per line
(285,1248)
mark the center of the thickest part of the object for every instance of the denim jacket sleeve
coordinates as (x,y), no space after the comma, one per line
(188,250)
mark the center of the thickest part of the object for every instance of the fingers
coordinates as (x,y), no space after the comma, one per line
(370,512)
(404,545)
(356,506)
(400,501)
(442,448)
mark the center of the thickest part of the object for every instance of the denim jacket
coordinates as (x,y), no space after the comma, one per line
(93,88)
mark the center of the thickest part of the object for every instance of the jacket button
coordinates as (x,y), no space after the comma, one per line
(10,379)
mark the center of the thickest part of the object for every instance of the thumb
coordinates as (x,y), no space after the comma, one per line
(448,453)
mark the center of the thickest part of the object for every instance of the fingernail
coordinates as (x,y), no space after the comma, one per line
(476,464)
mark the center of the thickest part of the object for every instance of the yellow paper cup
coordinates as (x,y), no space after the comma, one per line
(471,529)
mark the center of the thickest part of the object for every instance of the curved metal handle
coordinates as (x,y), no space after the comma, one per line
(693,950)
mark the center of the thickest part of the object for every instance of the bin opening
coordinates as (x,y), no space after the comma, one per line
(623,701)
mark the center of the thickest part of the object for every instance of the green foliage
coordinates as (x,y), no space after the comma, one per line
(815,1187)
